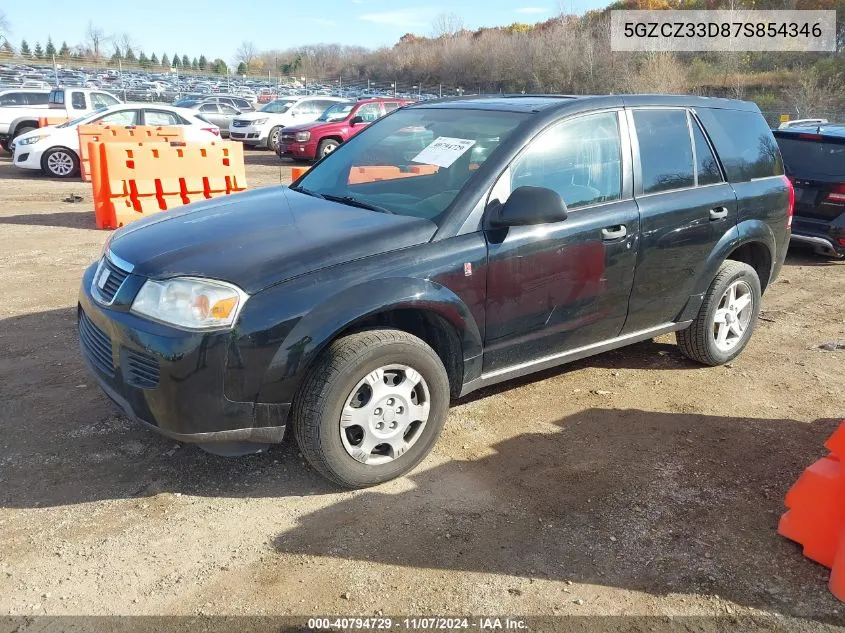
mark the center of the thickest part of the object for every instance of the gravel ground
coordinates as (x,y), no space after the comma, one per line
(632,483)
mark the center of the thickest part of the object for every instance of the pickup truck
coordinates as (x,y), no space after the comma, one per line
(71,103)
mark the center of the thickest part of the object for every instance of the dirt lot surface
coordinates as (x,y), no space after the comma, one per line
(632,483)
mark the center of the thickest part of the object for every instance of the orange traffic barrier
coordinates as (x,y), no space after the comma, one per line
(816,514)
(122,134)
(44,121)
(372,173)
(133,179)
(297,172)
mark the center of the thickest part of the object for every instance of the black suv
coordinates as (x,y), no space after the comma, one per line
(449,246)
(814,157)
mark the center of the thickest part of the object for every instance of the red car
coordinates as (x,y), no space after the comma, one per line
(311,141)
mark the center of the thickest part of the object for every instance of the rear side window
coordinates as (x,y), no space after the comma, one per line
(744,143)
(665,150)
(77,101)
(13,99)
(161,117)
(706,167)
(36,98)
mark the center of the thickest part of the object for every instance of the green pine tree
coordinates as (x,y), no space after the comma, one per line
(241,68)
(64,51)
(143,61)
(25,52)
(39,52)
(154,60)
(203,62)
(186,63)
(165,61)
(195,65)
(129,55)
(50,49)
(176,62)
(219,67)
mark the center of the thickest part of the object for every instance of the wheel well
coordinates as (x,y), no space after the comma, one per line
(330,136)
(432,328)
(21,124)
(756,255)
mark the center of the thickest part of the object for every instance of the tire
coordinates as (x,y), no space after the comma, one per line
(344,371)
(60,162)
(326,146)
(701,341)
(4,145)
(273,138)
(23,130)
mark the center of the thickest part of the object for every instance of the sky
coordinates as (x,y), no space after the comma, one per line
(216,28)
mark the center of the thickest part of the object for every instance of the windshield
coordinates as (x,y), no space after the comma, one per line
(337,112)
(279,106)
(413,162)
(84,119)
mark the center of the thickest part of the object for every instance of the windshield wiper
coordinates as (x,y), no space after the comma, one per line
(308,192)
(354,202)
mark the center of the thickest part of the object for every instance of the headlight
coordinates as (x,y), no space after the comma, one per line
(303,137)
(32,140)
(187,302)
(259,122)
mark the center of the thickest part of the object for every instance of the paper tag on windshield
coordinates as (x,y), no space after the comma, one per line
(443,151)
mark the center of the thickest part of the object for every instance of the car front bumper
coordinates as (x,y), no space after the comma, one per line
(27,156)
(248,135)
(299,151)
(170,380)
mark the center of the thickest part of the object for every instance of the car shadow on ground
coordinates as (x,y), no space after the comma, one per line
(265,158)
(799,255)
(78,216)
(656,502)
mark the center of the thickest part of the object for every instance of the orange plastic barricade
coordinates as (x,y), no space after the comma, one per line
(122,134)
(297,172)
(44,121)
(133,179)
(372,173)
(816,514)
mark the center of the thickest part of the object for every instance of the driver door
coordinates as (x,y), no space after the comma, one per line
(554,287)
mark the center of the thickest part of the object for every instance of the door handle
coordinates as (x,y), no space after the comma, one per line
(719,213)
(614,232)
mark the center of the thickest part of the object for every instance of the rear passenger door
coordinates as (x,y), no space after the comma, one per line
(685,208)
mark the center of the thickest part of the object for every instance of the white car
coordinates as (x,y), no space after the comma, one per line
(55,149)
(262,127)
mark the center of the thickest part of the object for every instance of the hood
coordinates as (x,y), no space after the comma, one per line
(262,237)
(303,127)
(255,114)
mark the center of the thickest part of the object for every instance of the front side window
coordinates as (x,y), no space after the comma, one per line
(77,100)
(124,117)
(102,100)
(413,163)
(665,150)
(338,112)
(391,106)
(161,117)
(369,112)
(580,159)
(57,97)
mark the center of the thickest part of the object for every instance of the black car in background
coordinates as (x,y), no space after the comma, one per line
(449,246)
(814,158)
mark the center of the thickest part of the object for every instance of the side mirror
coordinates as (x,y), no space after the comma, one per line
(356,120)
(527,206)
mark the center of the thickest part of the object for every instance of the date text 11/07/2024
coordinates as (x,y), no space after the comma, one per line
(431,623)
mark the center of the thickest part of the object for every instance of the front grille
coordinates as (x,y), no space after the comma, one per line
(140,370)
(240,123)
(116,277)
(288,138)
(96,345)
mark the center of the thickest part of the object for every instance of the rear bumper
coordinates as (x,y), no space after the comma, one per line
(826,236)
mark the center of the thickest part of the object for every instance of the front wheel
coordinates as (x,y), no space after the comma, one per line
(273,138)
(727,317)
(326,147)
(371,408)
(60,162)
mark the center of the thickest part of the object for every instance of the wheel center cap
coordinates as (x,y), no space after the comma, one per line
(389,414)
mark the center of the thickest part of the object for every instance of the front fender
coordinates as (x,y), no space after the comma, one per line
(320,325)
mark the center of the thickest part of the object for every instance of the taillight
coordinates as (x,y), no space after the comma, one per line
(837,194)
(791,188)
(213,130)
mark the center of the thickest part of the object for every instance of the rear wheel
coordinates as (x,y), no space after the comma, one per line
(727,316)
(60,162)
(24,129)
(371,408)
